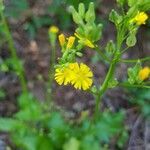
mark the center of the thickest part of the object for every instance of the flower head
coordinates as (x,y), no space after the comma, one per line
(140,18)
(81,76)
(144,73)
(78,75)
(53,29)
(62,76)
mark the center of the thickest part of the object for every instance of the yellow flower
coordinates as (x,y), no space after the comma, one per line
(70,43)
(62,40)
(81,76)
(140,18)
(53,29)
(62,76)
(85,41)
(144,73)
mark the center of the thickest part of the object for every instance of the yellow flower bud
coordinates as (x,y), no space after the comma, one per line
(62,40)
(89,43)
(140,18)
(144,73)
(71,40)
(53,29)
(85,41)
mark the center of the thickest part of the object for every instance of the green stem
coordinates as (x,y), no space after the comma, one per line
(104,86)
(134,60)
(134,85)
(109,75)
(13,51)
(51,75)
(102,54)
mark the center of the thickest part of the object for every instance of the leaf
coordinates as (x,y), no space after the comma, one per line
(113,83)
(72,144)
(133,73)
(76,17)
(131,40)
(81,10)
(115,17)
(7,124)
(110,47)
(132,2)
(90,14)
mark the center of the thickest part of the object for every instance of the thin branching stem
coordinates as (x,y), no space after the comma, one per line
(134,60)
(13,51)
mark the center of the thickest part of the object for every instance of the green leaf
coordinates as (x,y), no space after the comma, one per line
(76,17)
(133,73)
(72,144)
(7,124)
(81,10)
(90,14)
(115,17)
(132,2)
(131,40)
(110,47)
(44,143)
(112,83)
(108,125)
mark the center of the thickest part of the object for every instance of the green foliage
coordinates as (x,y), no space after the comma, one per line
(141,97)
(115,17)
(131,40)
(2,94)
(133,73)
(35,128)
(87,29)
(16,8)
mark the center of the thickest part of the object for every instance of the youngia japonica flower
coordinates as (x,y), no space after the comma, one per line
(140,18)
(78,75)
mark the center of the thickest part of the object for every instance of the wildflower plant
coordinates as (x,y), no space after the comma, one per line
(37,126)
(69,71)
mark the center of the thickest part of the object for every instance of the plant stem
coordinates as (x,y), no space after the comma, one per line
(51,75)
(13,52)
(134,85)
(134,60)
(102,55)
(109,75)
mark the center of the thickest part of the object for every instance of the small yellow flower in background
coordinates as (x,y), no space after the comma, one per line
(70,43)
(144,73)
(53,29)
(81,76)
(62,40)
(140,18)
(78,75)
(85,41)
(62,76)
